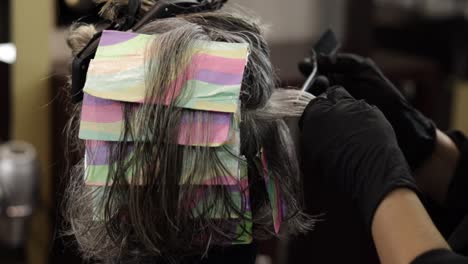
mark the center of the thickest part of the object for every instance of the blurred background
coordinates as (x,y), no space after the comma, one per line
(421,45)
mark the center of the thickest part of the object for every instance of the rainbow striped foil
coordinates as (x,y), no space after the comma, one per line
(213,74)
(103,119)
(274,195)
(209,86)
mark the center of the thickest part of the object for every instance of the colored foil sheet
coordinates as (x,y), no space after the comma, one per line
(203,200)
(228,220)
(103,119)
(97,166)
(213,75)
(97,162)
(210,82)
(274,195)
(206,202)
(240,227)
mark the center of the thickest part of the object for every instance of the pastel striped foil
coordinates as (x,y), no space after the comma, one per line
(208,86)
(103,119)
(213,76)
(274,195)
(97,162)
(229,222)
(202,195)
(97,166)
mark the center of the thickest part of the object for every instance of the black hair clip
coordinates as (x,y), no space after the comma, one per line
(131,17)
(161,9)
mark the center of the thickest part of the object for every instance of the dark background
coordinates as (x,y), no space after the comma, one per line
(4,73)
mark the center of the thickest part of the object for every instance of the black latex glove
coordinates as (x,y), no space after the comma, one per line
(354,147)
(364,80)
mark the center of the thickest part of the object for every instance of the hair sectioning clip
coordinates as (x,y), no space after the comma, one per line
(161,9)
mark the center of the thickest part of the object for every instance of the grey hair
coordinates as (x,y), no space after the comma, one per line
(79,35)
(147,220)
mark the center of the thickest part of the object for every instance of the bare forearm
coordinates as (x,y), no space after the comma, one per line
(402,229)
(436,173)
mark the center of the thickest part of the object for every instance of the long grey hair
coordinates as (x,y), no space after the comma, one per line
(143,216)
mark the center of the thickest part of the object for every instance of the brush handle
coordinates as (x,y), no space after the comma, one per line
(328,45)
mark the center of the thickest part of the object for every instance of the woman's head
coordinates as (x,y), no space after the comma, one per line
(147,214)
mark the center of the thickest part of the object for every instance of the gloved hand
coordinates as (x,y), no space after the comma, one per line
(354,147)
(364,80)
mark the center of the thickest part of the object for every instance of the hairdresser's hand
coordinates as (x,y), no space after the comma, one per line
(364,80)
(355,148)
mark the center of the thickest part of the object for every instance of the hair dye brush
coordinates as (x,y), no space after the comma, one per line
(327,45)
